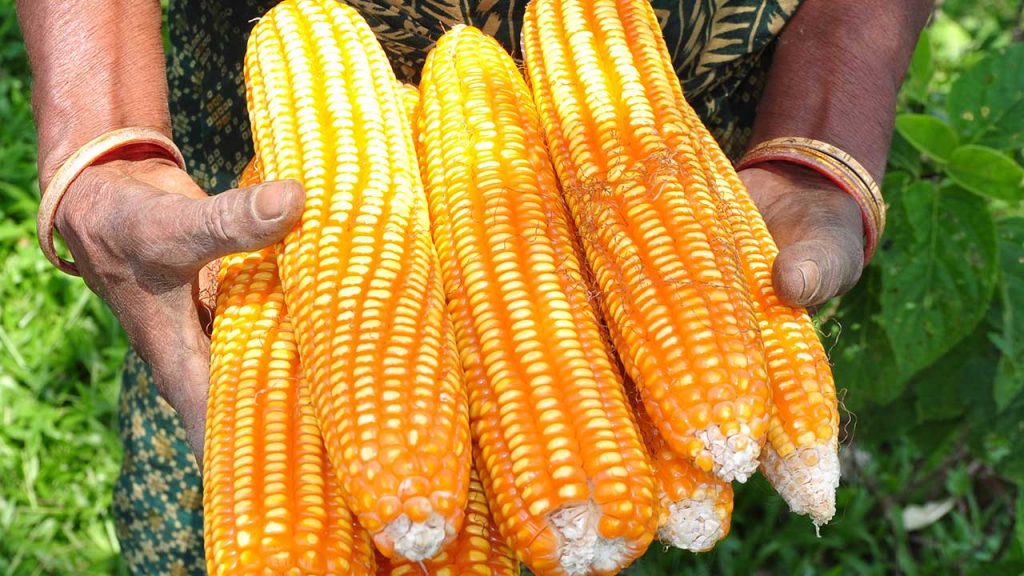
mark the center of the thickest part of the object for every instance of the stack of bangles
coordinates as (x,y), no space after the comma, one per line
(839,167)
(836,165)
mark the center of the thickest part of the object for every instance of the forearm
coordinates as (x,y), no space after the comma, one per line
(837,72)
(97,65)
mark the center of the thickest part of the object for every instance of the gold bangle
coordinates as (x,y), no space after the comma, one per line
(836,165)
(83,158)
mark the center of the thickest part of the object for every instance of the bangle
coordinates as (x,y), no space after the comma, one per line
(839,167)
(83,158)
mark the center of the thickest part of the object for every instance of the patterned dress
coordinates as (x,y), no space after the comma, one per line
(721,50)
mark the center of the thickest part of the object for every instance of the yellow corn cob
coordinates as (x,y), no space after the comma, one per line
(410,100)
(561,459)
(696,507)
(478,551)
(271,503)
(360,273)
(677,303)
(801,458)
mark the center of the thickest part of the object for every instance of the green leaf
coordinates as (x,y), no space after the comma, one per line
(919,74)
(987,172)
(1010,378)
(921,62)
(862,356)
(928,134)
(937,388)
(903,158)
(938,276)
(986,103)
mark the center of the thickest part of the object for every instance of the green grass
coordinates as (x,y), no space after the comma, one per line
(60,356)
(60,351)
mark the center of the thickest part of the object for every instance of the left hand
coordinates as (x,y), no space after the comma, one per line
(817,227)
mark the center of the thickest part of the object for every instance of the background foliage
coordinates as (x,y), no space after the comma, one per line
(929,350)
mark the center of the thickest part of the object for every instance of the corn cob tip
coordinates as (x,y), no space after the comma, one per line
(806,479)
(695,524)
(734,456)
(583,550)
(415,541)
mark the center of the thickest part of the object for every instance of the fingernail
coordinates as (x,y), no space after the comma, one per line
(268,203)
(811,275)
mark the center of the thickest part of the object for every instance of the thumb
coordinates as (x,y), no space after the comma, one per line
(239,220)
(813,269)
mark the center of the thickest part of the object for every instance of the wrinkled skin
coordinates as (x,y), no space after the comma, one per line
(817,227)
(146,239)
(149,236)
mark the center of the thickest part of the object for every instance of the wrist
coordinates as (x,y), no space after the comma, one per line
(110,76)
(55,149)
(135,145)
(842,172)
(766,176)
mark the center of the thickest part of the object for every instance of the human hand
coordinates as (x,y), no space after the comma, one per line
(143,236)
(817,227)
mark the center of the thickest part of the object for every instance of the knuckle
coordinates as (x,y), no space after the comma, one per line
(219,219)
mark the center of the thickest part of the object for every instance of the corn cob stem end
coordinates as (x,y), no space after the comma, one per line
(693,524)
(583,550)
(734,456)
(806,478)
(416,541)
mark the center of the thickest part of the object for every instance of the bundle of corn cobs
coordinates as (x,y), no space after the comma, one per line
(515,323)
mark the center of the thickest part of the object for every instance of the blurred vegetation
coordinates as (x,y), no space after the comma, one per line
(60,353)
(929,350)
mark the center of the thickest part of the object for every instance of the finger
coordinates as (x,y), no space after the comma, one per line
(240,220)
(810,271)
(182,376)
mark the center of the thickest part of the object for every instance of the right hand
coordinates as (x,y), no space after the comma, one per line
(143,235)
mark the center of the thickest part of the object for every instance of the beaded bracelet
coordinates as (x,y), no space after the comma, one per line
(83,158)
(839,167)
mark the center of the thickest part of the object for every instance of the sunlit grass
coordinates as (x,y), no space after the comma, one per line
(60,350)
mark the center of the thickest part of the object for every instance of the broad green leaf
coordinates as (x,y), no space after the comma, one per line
(864,366)
(986,103)
(921,62)
(862,355)
(928,134)
(1010,340)
(938,276)
(987,172)
(903,157)
(919,74)
(937,388)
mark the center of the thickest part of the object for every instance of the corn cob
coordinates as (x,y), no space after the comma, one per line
(560,457)
(478,551)
(677,303)
(360,274)
(271,503)
(801,458)
(696,507)
(410,100)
